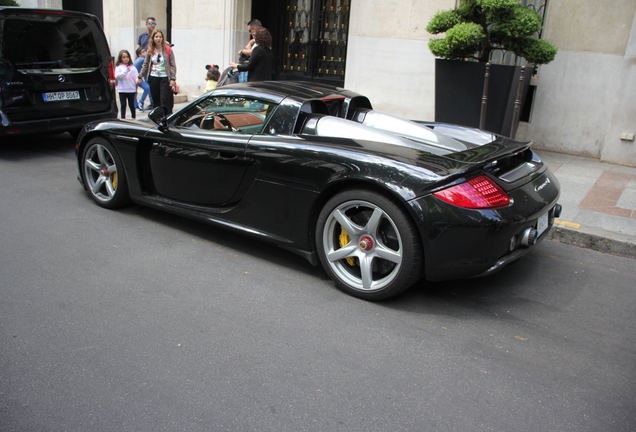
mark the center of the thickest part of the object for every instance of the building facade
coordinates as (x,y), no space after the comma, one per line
(584,102)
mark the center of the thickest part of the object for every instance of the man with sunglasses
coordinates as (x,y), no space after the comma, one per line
(143,39)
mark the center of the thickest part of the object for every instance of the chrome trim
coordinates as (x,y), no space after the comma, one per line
(126,138)
(4,119)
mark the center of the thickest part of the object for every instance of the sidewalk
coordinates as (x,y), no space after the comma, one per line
(598,199)
(599,204)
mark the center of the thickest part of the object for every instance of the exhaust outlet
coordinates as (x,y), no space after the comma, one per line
(529,237)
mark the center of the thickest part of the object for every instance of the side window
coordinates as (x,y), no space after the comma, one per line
(227,114)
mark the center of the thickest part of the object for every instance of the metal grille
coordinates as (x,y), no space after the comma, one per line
(315,45)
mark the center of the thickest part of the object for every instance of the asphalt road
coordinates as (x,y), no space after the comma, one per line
(136,320)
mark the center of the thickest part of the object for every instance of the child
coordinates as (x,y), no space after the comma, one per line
(212,78)
(126,76)
(139,61)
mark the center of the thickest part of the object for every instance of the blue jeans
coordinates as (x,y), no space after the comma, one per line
(144,85)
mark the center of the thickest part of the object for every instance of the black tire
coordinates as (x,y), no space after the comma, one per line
(104,174)
(368,244)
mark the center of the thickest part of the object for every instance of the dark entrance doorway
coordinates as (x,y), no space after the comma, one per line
(309,37)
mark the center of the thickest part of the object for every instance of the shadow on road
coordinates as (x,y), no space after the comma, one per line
(489,295)
(240,242)
(21,148)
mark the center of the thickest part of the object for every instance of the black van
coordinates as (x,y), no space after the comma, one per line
(56,72)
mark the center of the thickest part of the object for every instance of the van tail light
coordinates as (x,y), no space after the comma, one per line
(111,73)
(477,193)
(50,12)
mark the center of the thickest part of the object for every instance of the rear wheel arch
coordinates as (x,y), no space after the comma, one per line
(338,187)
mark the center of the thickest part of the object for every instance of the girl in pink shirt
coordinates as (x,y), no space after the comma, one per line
(126,76)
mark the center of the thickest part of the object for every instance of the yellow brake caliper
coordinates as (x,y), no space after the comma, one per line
(344,240)
(114,181)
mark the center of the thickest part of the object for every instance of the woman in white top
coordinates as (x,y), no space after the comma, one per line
(160,69)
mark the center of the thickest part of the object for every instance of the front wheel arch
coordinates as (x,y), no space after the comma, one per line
(103,173)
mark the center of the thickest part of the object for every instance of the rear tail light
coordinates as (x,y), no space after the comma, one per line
(478,193)
(111,73)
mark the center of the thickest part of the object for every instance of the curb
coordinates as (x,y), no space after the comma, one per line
(597,239)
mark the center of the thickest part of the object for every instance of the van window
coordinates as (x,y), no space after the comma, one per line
(51,42)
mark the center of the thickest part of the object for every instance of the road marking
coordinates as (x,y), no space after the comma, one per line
(567,224)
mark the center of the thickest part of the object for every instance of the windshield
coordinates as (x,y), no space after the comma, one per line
(227,113)
(42,41)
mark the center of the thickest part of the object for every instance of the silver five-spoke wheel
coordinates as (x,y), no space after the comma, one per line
(103,174)
(368,244)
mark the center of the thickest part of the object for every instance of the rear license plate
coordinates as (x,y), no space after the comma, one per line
(61,96)
(542,223)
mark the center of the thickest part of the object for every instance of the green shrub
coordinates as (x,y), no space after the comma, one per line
(478,27)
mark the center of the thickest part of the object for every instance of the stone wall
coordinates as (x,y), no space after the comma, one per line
(587,96)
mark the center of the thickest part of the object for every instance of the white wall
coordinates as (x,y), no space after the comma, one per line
(205,32)
(587,96)
(388,57)
(623,117)
(395,80)
(119,26)
(573,103)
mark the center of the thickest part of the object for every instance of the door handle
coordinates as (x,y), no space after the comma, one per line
(227,156)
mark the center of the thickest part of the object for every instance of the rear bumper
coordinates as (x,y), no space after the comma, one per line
(462,243)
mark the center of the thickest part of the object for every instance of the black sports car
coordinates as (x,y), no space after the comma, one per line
(380,201)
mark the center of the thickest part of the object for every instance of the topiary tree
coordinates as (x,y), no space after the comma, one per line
(478,27)
(9,3)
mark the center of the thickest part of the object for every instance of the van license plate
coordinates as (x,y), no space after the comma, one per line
(61,96)
(542,223)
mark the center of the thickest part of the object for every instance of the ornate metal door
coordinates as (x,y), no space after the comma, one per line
(315,40)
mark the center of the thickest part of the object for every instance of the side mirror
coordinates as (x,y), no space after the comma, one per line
(159,117)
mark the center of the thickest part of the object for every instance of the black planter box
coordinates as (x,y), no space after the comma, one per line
(459,88)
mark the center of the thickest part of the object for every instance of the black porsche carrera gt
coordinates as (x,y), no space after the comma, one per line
(380,201)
